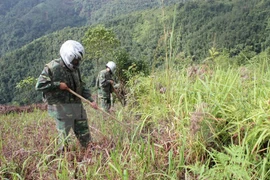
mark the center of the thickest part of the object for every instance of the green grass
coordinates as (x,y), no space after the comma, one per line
(212,124)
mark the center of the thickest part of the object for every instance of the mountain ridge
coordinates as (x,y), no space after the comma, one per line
(26,20)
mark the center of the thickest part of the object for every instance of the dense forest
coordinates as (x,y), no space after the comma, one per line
(22,21)
(241,29)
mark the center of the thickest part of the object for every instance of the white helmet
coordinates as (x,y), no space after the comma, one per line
(71,50)
(112,66)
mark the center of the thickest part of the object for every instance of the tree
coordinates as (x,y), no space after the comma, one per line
(100,43)
(26,91)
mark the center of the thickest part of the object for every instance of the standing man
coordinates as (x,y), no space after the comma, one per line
(67,109)
(106,84)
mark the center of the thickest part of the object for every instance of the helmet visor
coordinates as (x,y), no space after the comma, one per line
(76,62)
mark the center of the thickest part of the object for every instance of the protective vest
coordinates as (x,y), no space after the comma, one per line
(58,72)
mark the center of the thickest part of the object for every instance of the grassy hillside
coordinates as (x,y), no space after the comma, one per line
(195,122)
(203,113)
(190,29)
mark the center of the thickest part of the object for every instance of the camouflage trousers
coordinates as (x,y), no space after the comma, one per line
(69,116)
(105,103)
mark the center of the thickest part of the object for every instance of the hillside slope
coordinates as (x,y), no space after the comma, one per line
(22,21)
(191,29)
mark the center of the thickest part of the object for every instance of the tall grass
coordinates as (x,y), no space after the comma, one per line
(215,113)
(208,121)
(212,123)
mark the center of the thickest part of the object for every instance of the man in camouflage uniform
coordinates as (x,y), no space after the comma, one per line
(67,109)
(105,84)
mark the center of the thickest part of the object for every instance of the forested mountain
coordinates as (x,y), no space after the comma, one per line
(22,21)
(239,28)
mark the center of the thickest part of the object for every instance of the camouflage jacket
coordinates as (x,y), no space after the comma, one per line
(103,84)
(49,81)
